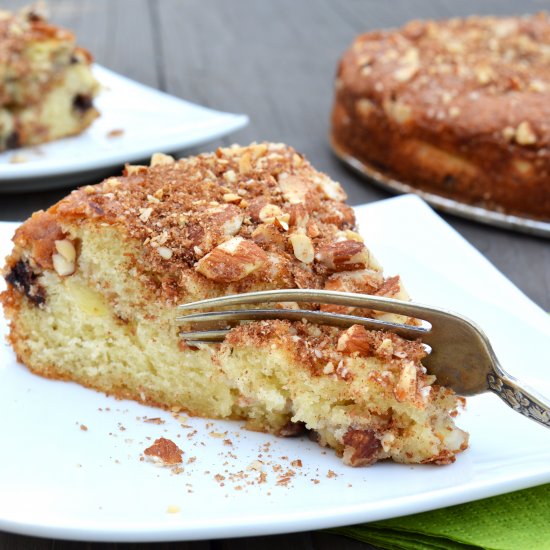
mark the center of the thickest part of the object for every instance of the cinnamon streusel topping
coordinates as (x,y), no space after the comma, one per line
(475,71)
(249,216)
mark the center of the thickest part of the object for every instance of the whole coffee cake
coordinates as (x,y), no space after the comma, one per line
(459,107)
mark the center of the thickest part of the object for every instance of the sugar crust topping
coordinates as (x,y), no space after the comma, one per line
(485,75)
(19,29)
(241,215)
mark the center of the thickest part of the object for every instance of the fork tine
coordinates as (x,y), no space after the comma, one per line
(378,303)
(462,358)
(205,335)
(333,319)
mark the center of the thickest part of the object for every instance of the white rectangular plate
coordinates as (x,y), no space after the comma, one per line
(150,121)
(58,480)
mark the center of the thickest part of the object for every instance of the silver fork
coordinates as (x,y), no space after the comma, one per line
(460,355)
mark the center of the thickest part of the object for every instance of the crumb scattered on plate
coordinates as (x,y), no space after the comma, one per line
(153,420)
(18,158)
(116,132)
(164,452)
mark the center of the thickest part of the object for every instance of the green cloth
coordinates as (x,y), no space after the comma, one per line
(515,521)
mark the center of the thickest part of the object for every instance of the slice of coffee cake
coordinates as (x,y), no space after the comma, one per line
(46,84)
(93,283)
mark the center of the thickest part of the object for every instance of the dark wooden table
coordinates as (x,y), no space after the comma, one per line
(274,61)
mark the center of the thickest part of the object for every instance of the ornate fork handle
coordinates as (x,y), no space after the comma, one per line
(525,402)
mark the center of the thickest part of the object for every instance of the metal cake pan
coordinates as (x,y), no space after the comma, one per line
(445,204)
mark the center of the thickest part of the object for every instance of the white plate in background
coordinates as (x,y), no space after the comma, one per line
(59,481)
(148,120)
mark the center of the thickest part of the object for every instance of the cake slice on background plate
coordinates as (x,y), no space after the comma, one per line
(93,285)
(46,83)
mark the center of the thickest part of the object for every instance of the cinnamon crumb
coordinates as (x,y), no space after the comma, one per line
(116,132)
(164,451)
(155,420)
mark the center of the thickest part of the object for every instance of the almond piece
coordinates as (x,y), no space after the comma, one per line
(406,385)
(343,256)
(294,188)
(145,213)
(364,107)
(297,160)
(267,235)
(161,158)
(269,212)
(110,183)
(232,261)
(353,236)
(406,72)
(66,248)
(64,261)
(254,207)
(62,266)
(230,176)
(164,451)
(312,229)
(537,85)
(364,281)
(331,189)
(231,197)
(131,169)
(258,149)
(287,305)
(245,165)
(398,111)
(228,217)
(525,134)
(165,252)
(232,225)
(355,340)
(361,447)
(302,247)
(298,216)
